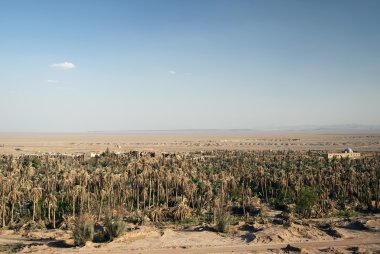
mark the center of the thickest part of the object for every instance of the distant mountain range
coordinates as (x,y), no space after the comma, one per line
(345,128)
(323,128)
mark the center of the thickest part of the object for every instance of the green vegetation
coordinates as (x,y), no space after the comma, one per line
(306,201)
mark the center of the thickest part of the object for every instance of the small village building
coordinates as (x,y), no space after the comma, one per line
(347,153)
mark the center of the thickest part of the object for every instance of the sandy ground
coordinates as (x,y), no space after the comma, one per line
(182,142)
(358,235)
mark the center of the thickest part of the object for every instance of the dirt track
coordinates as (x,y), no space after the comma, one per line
(313,246)
(258,247)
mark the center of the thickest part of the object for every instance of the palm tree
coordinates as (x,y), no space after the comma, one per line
(35,195)
(51,202)
(14,197)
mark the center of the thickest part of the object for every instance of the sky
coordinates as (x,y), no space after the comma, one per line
(78,66)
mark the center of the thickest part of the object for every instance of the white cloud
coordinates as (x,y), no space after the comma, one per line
(171,72)
(52,81)
(63,66)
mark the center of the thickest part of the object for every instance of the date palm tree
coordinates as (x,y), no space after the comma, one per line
(51,202)
(14,198)
(35,195)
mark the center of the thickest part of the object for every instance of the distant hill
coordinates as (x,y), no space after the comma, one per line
(344,128)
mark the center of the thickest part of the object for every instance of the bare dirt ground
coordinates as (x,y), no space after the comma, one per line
(183,142)
(355,235)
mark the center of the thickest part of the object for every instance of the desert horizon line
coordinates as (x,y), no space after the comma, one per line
(344,128)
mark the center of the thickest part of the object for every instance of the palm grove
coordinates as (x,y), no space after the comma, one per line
(52,190)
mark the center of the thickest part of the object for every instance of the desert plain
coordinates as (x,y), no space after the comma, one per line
(168,141)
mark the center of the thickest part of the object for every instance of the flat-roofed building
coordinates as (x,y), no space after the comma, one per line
(347,153)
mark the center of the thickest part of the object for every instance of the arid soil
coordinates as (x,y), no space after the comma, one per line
(182,142)
(355,235)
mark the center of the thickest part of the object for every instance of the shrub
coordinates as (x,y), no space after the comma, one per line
(158,214)
(116,227)
(135,217)
(182,211)
(223,222)
(83,230)
(282,199)
(305,201)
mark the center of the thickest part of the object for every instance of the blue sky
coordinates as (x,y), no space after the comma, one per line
(155,65)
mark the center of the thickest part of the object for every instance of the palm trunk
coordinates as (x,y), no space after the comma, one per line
(150,190)
(53,218)
(34,210)
(3,215)
(88,201)
(49,218)
(138,198)
(144,197)
(74,206)
(377,193)
(167,194)
(243,199)
(265,189)
(12,208)
(100,208)
(158,192)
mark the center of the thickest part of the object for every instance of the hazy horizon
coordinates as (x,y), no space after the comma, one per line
(311,129)
(87,66)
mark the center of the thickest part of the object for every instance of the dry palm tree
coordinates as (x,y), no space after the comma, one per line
(14,197)
(35,195)
(157,214)
(200,178)
(51,202)
(182,211)
(74,195)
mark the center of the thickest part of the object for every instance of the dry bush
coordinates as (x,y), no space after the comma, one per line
(68,222)
(135,217)
(222,222)
(182,211)
(83,230)
(115,227)
(158,214)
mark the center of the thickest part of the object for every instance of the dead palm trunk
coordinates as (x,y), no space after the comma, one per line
(243,198)
(12,209)
(49,218)
(150,189)
(377,192)
(100,206)
(167,191)
(34,210)
(158,192)
(138,198)
(73,206)
(4,211)
(54,218)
